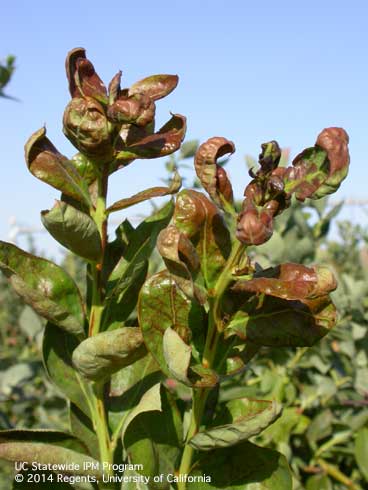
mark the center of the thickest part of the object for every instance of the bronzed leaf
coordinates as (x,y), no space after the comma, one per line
(162,305)
(199,219)
(166,141)
(212,176)
(290,281)
(44,286)
(129,273)
(155,86)
(74,229)
(47,164)
(147,194)
(271,321)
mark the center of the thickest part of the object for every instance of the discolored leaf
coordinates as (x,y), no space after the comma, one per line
(213,177)
(83,80)
(309,171)
(86,126)
(47,164)
(290,281)
(181,259)
(44,286)
(74,229)
(85,167)
(248,467)
(239,420)
(199,219)
(47,447)
(147,194)
(98,357)
(335,142)
(57,350)
(155,86)
(271,321)
(129,273)
(162,305)
(166,141)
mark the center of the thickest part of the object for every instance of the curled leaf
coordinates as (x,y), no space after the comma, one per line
(167,140)
(212,176)
(98,357)
(82,77)
(290,281)
(136,109)
(319,171)
(47,164)
(86,126)
(74,229)
(150,193)
(240,419)
(155,86)
(162,305)
(44,286)
(255,225)
(199,219)
(272,321)
(335,142)
(180,257)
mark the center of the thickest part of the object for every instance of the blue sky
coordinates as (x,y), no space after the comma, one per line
(249,71)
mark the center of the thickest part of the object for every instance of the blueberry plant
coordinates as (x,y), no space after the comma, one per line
(141,358)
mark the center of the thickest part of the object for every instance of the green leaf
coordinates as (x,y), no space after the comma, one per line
(290,281)
(145,441)
(74,229)
(82,427)
(166,141)
(30,323)
(58,347)
(128,275)
(319,482)
(98,357)
(246,467)
(188,149)
(162,305)
(177,355)
(44,286)
(199,219)
(127,388)
(271,321)
(155,86)
(47,164)
(361,451)
(46,447)
(147,194)
(239,420)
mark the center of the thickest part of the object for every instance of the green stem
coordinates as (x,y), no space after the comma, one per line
(100,421)
(215,328)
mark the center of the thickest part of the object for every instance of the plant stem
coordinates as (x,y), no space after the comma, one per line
(100,422)
(215,328)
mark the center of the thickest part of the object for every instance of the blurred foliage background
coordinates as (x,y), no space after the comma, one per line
(323,430)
